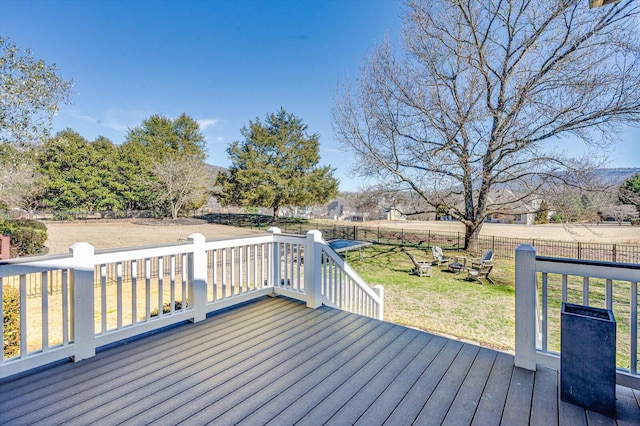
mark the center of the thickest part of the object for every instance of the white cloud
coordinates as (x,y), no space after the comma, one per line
(83,117)
(333,150)
(205,123)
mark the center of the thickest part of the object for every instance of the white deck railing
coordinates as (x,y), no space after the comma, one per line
(544,283)
(72,304)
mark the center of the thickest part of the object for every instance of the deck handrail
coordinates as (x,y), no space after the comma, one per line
(349,291)
(105,296)
(544,283)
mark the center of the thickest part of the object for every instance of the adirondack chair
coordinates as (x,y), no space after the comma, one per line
(482,271)
(438,257)
(485,259)
(420,268)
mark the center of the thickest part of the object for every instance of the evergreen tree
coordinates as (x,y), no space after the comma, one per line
(79,174)
(542,215)
(629,192)
(158,140)
(276,165)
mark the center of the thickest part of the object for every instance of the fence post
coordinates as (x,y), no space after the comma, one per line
(312,269)
(198,282)
(275,257)
(5,247)
(82,314)
(526,307)
(614,254)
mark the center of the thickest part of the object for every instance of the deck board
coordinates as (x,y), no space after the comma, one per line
(494,395)
(411,405)
(325,408)
(626,406)
(350,412)
(466,402)
(274,361)
(271,385)
(544,411)
(436,408)
(386,402)
(234,368)
(322,382)
(518,404)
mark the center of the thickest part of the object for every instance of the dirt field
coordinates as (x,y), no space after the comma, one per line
(103,235)
(575,232)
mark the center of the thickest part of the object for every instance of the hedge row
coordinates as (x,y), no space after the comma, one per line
(11,321)
(27,236)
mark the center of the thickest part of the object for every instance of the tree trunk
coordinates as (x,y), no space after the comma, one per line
(275,215)
(471,233)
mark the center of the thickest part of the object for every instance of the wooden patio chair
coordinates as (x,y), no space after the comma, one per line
(438,256)
(483,271)
(485,259)
(420,268)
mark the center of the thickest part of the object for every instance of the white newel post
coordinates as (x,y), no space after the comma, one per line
(526,307)
(82,314)
(275,257)
(312,265)
(380,292)
(197,299)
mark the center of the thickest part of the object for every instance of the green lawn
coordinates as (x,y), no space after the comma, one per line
(450,304)
(445,303)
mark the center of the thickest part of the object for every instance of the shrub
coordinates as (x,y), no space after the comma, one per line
(166,308)
(27,236)
(61,215)
(11,321)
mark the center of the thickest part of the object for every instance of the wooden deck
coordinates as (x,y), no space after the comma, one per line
(274,361)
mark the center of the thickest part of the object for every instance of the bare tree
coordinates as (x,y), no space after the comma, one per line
(19,186)
(182,181)
(20,183)
(620,213)
(479,92)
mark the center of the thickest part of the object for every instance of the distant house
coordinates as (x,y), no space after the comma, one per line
(358,217)
(507,207)
(394,214)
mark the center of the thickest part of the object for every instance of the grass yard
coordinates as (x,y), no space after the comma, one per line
(451,305)
(445,303)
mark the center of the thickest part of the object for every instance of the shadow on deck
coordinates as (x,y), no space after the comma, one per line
(274,361)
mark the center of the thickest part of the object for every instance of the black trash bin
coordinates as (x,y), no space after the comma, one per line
(588,358)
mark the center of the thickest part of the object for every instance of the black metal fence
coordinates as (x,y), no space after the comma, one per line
(503,247)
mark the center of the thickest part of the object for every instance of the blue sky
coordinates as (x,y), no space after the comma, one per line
(222,62)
